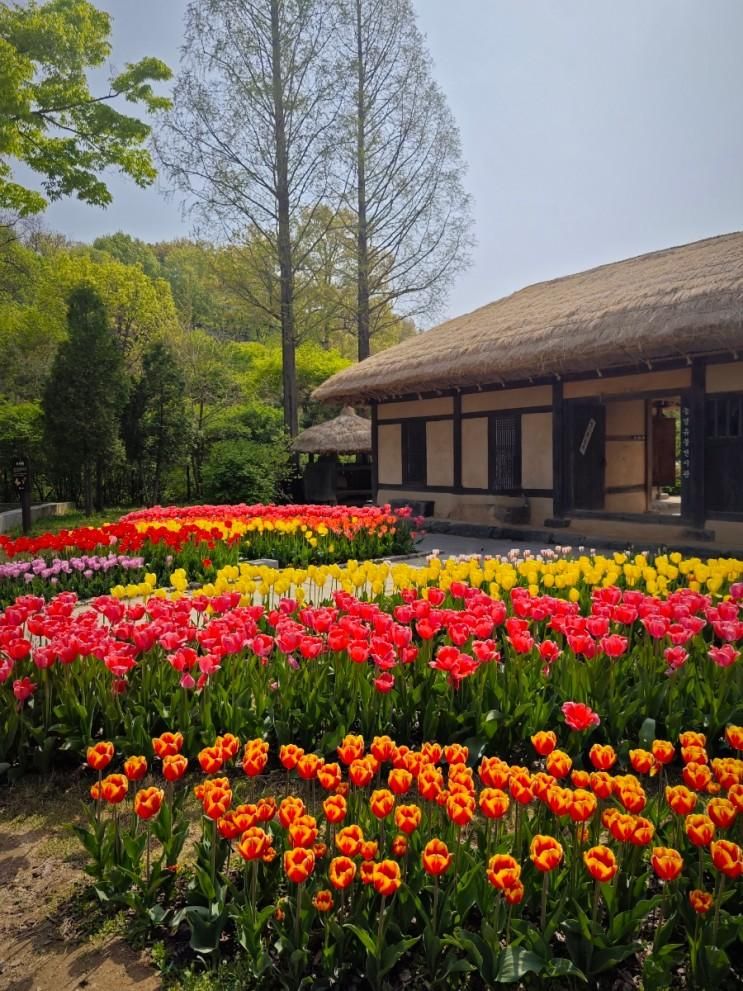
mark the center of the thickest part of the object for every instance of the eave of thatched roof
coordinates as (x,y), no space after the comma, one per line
(347,433)
(677,302)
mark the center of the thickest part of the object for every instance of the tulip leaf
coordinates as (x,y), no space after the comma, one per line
(562,967)
(609,957)
(391,954)
(515,962)
(647,731)
(364,937)
(206,928)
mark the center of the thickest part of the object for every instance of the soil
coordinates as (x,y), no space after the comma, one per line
(51,936)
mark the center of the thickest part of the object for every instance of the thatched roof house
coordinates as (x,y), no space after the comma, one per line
(666,304)
(610,402)
(347,433)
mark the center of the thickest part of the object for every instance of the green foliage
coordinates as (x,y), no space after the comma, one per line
(21,433)
(155,432)
(139,308)
(84,396)
(246,471)
(178,295)
(130,251)
(49,118)
(314,364)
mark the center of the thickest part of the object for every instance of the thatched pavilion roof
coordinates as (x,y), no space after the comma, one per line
(671,303)
(347,433)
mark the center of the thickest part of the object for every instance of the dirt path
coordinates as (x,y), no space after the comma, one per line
(45,938)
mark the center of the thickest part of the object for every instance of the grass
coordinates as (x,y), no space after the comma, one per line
(70,521)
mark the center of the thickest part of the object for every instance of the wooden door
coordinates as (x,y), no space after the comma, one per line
(586,444)
(664,450)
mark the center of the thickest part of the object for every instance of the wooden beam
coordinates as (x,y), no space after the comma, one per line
(375,451)
(558,450)
(457,440)
(695,489)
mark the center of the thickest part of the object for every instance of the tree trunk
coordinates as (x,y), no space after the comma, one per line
(88,489)
(288,344)
(362,234)
(99,498)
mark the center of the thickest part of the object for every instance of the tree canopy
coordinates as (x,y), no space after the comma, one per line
(51,121)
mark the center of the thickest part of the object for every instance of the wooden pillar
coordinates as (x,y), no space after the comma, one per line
(692,448)
(375,451)
(559,477)
(457,428)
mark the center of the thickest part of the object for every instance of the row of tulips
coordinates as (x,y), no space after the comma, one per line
(388,859)
(452,663)
(561,571)
(205,538)
(87,576)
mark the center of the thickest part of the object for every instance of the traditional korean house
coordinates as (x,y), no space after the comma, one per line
(609,402)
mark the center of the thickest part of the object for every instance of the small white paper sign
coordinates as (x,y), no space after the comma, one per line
(587,436)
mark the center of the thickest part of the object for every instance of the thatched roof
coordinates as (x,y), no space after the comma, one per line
(681,301)
(348,433)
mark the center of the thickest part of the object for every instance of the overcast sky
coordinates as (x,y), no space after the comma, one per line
(593,130)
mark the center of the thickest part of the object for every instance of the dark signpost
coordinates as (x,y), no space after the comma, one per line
(22,482)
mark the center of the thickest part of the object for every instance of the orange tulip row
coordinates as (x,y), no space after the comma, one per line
(618,798)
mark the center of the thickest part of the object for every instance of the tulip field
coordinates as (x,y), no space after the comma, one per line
(468,773)
(204,538)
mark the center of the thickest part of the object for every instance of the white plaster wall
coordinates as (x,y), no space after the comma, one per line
(677,378)
(475,453)
(476,402)
(416,407)
(440,452)
(725,378)
(536,451)
(389,469)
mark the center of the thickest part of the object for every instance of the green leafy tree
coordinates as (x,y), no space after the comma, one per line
(49,118)
(211,386)
(245,471)
(21,433)
(262,377)
(131,251)
(139,309)
(28,338)
(83,400)
(156,428)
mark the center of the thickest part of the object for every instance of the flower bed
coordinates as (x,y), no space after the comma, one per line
(423,663)
(87,575)
(420,863)
(409,865)
(202,539)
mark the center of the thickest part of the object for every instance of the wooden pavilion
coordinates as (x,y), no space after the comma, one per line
(325,478)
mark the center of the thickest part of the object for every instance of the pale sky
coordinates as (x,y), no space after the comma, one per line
(593,129)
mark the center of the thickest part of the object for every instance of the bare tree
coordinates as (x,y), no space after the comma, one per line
(411,213)
(250,135)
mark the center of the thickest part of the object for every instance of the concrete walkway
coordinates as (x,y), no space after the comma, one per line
(450,545)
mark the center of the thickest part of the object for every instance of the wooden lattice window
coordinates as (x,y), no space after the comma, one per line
(414,453)
(723,454)
(723,418)
(504,443)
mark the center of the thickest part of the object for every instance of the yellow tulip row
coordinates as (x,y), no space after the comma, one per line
(548,573)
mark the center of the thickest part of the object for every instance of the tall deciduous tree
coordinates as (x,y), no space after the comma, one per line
(83,399)
(249,136)
(411,213)
(49,118)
